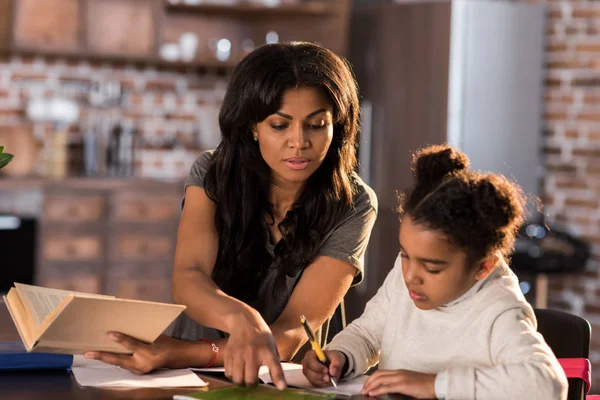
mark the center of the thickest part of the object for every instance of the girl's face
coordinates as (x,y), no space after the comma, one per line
(435,272)
(294,141)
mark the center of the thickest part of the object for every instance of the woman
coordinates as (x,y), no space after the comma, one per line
(275,221)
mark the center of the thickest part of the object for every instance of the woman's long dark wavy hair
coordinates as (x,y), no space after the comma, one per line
(238,179)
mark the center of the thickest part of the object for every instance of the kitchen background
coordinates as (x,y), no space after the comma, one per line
(106,103)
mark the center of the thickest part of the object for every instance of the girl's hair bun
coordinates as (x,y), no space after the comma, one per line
(433,163)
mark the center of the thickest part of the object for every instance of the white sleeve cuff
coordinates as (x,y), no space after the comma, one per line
(441,385)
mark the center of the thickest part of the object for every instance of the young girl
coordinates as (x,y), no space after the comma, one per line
(449,321)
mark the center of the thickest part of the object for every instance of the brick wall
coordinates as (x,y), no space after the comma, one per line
(165,105)
(572,150)
(174,113)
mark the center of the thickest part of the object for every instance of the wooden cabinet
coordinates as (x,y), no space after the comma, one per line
(141,281)
(121,27)
(75,283)
(113,238)
(48,24)
(323,21)
(157,289)
(143,225)
(72,247)
(209,30)
(67,208)
(5,23)
(142,246)
(136,30)
(134,207)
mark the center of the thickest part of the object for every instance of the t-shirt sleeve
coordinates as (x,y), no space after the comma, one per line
(198,170)
(348,241)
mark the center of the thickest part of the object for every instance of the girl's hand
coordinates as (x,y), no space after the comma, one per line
(250,345)
(317,373)
(145,357)
(410,383)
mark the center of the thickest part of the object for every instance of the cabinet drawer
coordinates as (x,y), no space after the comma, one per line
(85,284)
(5,17)
(140,246)
(65,247)
(134,19)
(64,208)
(150,289)
(146,210)
(47,24)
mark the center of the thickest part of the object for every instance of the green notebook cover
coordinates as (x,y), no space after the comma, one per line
(254,393)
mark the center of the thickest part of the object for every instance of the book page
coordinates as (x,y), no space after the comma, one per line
(41,301)
(19,316)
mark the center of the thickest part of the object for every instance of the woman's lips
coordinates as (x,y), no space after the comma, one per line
(297,163)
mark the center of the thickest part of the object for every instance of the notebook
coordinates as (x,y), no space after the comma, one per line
(14,357)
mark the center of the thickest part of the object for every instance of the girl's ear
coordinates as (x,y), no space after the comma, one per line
(486,266)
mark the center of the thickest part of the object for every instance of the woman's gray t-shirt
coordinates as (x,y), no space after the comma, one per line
(347,241)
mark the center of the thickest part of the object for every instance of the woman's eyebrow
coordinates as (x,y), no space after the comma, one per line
(312,114)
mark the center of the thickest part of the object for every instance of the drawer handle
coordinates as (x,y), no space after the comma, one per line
(143,211)
(143,248)
(73,211)
(71,250)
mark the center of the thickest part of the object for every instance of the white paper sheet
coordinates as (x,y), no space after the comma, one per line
(110,376)
(348,388)
(263,371)
(295,378)
(80,361)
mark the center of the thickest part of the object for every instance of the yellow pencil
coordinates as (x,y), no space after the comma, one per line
(312,338)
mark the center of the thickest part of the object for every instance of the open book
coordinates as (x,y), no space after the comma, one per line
(61,321)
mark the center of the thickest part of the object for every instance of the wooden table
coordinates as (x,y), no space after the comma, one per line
(61,385)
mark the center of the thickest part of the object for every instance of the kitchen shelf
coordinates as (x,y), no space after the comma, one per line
(312,8)
(123,59)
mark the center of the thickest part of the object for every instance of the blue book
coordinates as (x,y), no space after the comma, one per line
(14,357)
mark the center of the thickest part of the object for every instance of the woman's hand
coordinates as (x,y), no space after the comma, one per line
(316,373)
(410,383)
(250,345)
(145,357)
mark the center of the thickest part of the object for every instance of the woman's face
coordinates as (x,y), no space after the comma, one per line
(294,141)
(435,272)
